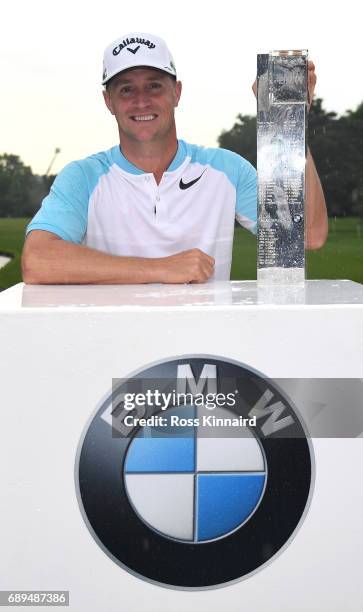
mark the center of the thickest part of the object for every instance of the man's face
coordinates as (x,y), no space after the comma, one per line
(143,101)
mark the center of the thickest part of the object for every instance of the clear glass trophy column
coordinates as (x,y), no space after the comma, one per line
(281,154)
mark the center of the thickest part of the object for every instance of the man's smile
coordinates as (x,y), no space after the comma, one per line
(143,117)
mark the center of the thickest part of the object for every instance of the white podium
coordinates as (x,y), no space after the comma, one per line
(61,348)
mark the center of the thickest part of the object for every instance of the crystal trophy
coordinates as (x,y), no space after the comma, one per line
(281,155)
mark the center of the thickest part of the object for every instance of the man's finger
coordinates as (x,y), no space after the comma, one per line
(206,257)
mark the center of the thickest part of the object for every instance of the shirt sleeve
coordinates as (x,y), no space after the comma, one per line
(246,204)
(64,211)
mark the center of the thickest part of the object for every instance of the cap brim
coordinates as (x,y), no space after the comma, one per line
(165,69)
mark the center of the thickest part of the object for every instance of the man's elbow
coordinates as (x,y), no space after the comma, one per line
(31,267)
(28,270)
(36,261)
(316,241)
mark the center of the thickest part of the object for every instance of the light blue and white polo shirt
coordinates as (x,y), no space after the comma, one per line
(107,203)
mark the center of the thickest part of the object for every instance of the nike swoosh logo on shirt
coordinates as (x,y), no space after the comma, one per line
(187,185)
(133,50)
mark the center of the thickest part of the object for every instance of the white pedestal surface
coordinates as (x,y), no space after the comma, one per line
(61,346)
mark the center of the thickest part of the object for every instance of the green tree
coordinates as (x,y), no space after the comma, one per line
(241,138)
(337,146)
(358,113)
(15,182)
(21,192)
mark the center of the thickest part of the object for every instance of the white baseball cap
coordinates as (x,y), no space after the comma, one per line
(136,49)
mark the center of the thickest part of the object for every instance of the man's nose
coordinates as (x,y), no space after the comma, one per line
(142,99)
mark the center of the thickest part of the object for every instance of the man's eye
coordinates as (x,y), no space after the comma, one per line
(155,85)
(125,90)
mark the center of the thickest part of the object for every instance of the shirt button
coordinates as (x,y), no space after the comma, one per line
(147,178)
(158,198)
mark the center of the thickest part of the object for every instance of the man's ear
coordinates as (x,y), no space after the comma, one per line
(178,90)
(107,99)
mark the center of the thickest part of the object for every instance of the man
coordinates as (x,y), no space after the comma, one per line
(153,209)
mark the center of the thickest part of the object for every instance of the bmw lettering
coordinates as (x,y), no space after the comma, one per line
(194,472)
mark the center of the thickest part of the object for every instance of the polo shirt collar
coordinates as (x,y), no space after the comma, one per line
(119,159)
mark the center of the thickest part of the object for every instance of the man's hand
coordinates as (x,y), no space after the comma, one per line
(193,266)
(311,83)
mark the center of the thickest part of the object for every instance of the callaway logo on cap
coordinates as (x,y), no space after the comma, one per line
(136,49)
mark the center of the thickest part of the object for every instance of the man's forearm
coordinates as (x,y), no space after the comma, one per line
(316,228)
(47,259)
(62,262)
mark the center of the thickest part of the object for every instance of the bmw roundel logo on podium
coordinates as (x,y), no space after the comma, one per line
(191,480)
(194,472)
